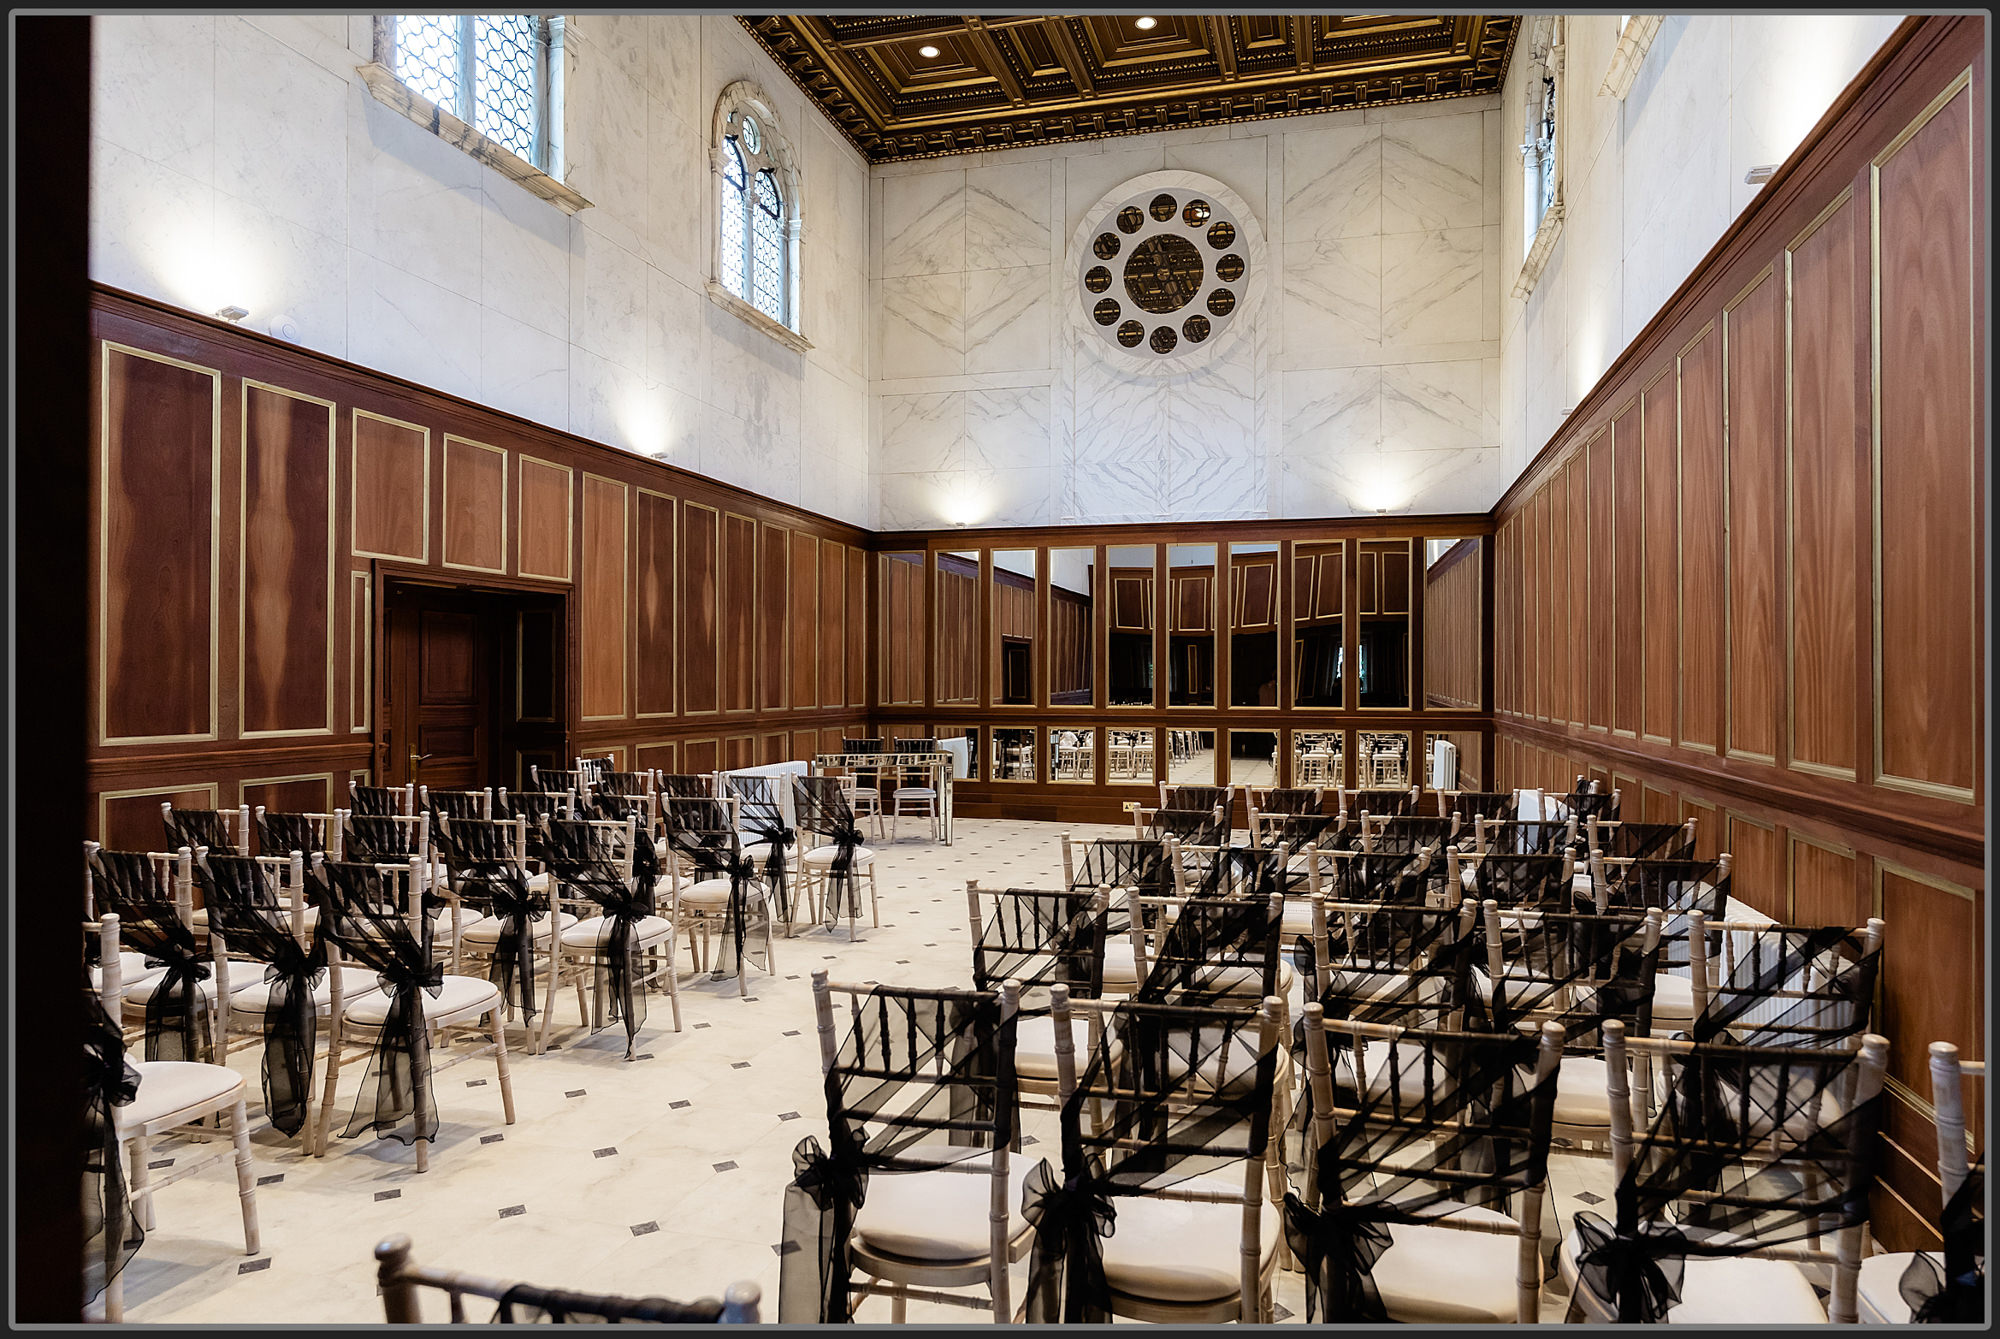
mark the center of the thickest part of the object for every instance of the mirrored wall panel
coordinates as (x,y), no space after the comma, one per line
(905,606)
(1253,625)
(1382,603)
(1191,625)
(1381,759)
(1253,758)
(1013,756)
(1072,609)
(1451,623)
(1129,637)
(1014,627)
(1451,760)
(962,742)
(958,628)
(1319,587)
(1318,758)
(1191,757)
(1130,756)
(1072,755)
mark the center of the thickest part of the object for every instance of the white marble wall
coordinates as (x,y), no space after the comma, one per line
(1369,380)
(1650,183)
(241,160)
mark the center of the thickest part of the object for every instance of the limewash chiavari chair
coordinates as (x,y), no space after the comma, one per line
(171,1097)
(1677,888)
(1624,840)
(936,1213)
(381,801)
(224,830)
(916,787)
(1407,834)
(455,803)
(821,806)
(1786,985)
(1395,800)
(402,1283)
(1529,836)
(133,967)
(605,870)
(282,833)
(374,915)
(1471,804)
(152,893)
(551,779)
(715,886)
(503,922)
(1950,1283)
(1037,939)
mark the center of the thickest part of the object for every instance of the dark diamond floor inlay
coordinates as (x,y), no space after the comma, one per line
(725,1166)
(381,1195)
(788,1115)
(604,1153)
(676,1106)
(270,1180)
(740,1064)
(513,1211)
(491,1138)
(252,1266)
(641,1229)
(575,1092)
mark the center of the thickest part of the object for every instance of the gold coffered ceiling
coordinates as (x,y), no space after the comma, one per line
(1000,81)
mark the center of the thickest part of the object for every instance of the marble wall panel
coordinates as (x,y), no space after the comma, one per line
(1006,216)
(920,325)
(147,62)
(1432,287)
(1332,301)
(1433,174)
(1008,429)
(1007,319)
(1333,183)
(923,224)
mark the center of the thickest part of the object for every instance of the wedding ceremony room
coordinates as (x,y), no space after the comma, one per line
(1000,669)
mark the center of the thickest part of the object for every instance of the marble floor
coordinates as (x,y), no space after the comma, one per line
(664,1176)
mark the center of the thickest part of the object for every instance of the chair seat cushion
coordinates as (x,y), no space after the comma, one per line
(1176,1251)
(139,993)
(1673,1000)
(591,934)
(1119,972)
(1879,1293)
(939,1216)
(821,857)
(1482,1268)
(256,997)
(132,968)
(167,1086)
(485,933)
(709,894)
(1298,918)
(1581,1098)
(459,994)
(1733,1291)
(1035,1046)
(914,793)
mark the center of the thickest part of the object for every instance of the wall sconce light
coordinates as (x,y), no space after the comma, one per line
(1757,176)
(233,312)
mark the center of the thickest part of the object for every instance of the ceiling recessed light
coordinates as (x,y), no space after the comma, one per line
(927,52)
(1147,21)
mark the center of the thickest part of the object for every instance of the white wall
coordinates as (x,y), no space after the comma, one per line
(1370,378)
(1650,183)
(242,160)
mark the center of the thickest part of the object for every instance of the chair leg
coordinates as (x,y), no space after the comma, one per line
(500,1064)
(246,1176)
(874,899)
(142,1179)
(673,985)
(327,1092)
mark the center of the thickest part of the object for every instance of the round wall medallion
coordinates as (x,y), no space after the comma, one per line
(1178,270)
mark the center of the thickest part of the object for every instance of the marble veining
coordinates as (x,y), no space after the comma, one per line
(1333,182)
(1431,286)
(1006,216)
(920,321)
(923,224)
(1007,319)
(1432,174)
(1432,406)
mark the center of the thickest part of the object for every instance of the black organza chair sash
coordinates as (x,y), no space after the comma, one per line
(196,828)
(1039,938)
(1793,986)
(281,834)
(715,852)
(245,909)
(179,1013)
(486,871)
(363,912)
(1954,1292)
(590,861)
(763,817)
(111,1231)
(823,808)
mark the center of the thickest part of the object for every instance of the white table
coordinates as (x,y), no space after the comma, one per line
(945,764)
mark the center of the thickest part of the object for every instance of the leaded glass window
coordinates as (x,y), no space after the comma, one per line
(489,70)
(755,260)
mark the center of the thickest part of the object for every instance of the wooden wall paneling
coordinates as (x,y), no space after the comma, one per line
(830,736)
(545,519)
(389,488)
(774,620)
(1601,557)
(1823,330)
(1824,883)
(830,626)
(286,551)
(1700,526)
(1935,932)
(739,751)
(1578,622)
(1927,478)
(1710,840)
(771,747)
(1561,616)
(805,743)
(304,793)
(1658,806)
(360,651)
(700,756)
(159,556)
(603,596)
(805,618)
(1659,638)
(701,584)
(655,538)
(739,612)
(129,820)
(1753,460)
(857,626)
(475,505)
(1627,557)
(1757,873)
(663,756)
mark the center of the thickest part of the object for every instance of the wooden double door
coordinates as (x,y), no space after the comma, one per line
(472,685)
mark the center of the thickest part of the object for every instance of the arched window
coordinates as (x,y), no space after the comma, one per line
(1541,149)
(757,215)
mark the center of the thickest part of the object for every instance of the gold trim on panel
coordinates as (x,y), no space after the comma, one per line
(354,494)
(214,797)
(624,597)
(1680,542)
(360,689)
(249,781)
(1932,881)
(680,648)
(1591,549)
(756,601)
(104,735)
(1645,556)
(673,607)
(1792,844)
(1634,410)
(1728,732)
(569,517)
(444,517)
(1960,83)
(243,549)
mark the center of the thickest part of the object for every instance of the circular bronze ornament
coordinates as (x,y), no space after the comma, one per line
(1130,334)
(1106,246)
(1196,328)
(1098,279)
(1164,339)
(1164,274)
(1221,302)
(1106,311)
(1222,234)
(1230,268)
(1196,213)
(1163,207)
(1131,219)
